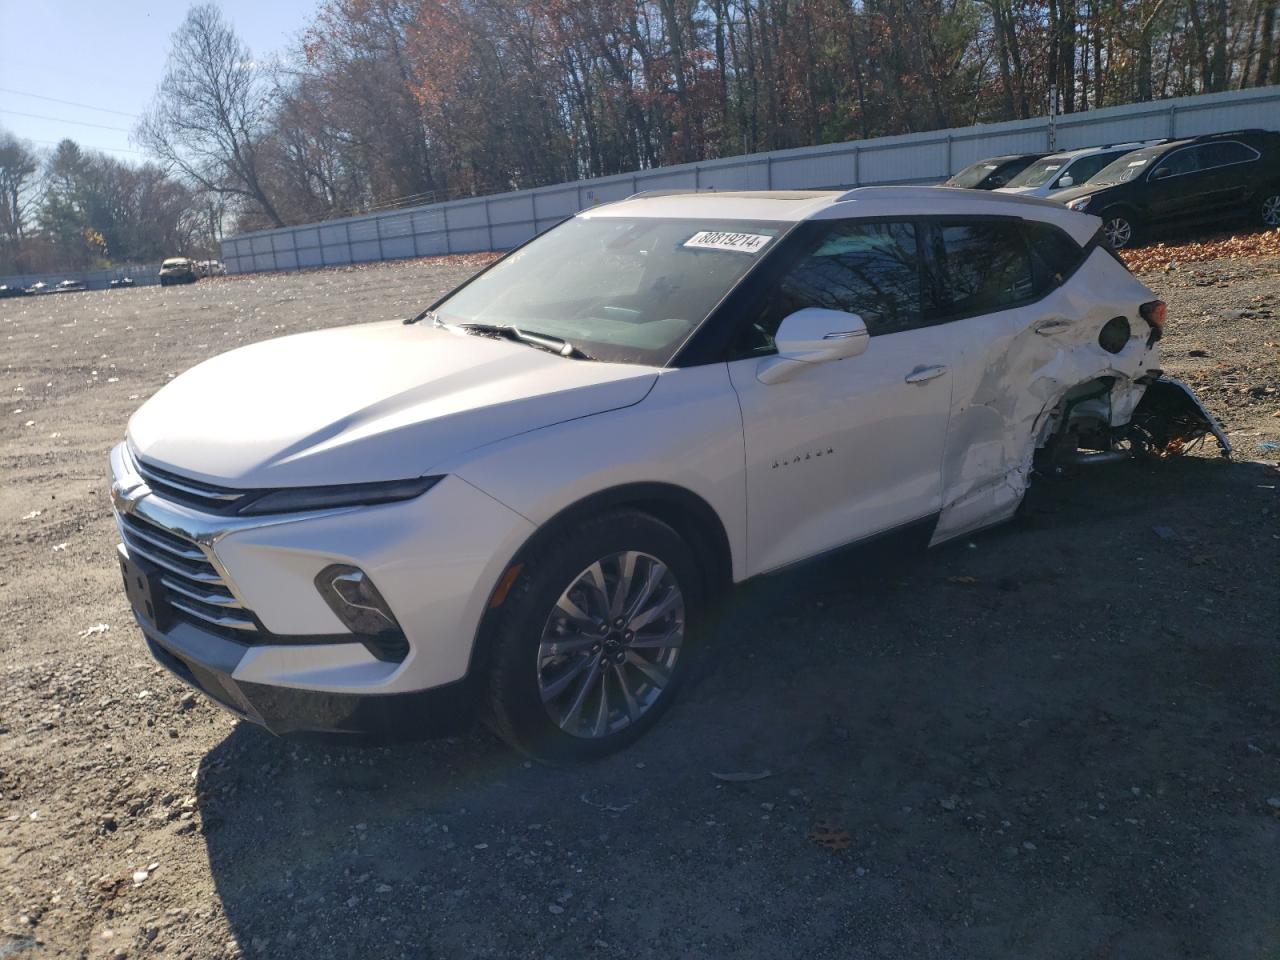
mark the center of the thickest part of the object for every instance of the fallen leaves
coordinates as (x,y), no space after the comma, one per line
(1262,243)
(830,837)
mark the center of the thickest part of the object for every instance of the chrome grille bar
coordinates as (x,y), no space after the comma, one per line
(226,620)
(197,590)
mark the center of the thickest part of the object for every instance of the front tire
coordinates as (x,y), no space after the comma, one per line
(594,639)
(1269,206)
(1120,228)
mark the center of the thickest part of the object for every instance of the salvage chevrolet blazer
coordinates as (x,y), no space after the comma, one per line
(528,495)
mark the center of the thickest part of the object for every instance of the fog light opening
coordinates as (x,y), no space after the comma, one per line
(355,601)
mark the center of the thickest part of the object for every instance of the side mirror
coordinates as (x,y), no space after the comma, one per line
(813,335)
(1066,180)
(1161,173)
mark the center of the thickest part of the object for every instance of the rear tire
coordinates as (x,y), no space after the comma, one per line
(593,642)
(1120,227)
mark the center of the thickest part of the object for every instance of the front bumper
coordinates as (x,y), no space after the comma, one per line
(271,650)
(208,662)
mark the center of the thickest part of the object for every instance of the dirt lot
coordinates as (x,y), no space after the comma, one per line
(1059,740)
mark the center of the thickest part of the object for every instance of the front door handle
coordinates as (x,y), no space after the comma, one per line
(921,374)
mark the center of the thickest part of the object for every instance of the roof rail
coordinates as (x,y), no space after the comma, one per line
(1228,133)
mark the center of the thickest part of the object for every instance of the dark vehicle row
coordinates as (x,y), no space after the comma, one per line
(1139,188)
(173,270)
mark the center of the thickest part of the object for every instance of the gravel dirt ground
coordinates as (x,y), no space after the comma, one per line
(1060,739)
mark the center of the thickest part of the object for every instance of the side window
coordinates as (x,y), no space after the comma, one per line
(1227,152)
(1182,161)
(984,266)
(1086,167)
(1054,253)
(870,269)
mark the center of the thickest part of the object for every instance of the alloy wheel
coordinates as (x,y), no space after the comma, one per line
(610,645)
(1118,231)
(1271,210)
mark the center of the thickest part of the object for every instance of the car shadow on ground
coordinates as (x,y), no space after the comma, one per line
(1056,739)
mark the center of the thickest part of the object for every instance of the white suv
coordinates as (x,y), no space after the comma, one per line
(1071,168)
(529,495)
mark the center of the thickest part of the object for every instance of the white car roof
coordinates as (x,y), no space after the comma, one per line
(792,206)
(1090,151)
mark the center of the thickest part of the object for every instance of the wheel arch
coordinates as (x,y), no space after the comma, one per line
(691,516)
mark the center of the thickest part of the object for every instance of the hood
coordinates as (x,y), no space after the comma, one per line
(1016,190)
(1083,190)
(379,401)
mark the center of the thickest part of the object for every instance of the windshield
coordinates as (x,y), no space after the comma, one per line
(1126,167)
(625,290)
(1039,173)
(973,174)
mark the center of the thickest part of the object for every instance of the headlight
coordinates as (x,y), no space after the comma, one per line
(294,499)
(1079,203)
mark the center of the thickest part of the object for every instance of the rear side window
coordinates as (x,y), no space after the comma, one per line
(870,269)
(982,266)
(1227,152)
(1054,254)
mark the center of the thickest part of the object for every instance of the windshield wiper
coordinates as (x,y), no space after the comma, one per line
(545,341)
(427,314)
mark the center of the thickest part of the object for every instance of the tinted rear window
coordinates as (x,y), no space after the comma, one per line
(984,266)
(1055,253)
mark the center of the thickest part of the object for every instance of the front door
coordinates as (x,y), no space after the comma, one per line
(849,448)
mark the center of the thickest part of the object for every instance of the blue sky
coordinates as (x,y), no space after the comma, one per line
(108,55)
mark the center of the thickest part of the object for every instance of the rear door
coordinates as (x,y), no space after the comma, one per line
(1231,168)
(991,288)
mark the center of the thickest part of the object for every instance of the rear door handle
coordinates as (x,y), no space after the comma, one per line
(921,374)
(1050,327)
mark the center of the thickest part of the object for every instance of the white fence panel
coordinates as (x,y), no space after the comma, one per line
(506,220)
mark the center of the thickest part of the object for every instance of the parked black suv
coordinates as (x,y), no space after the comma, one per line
(991,173)
(1214,177)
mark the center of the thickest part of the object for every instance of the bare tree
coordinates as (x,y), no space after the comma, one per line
(18,168)
(210,110)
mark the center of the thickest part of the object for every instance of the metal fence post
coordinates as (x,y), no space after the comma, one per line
(1173,121)
(768,171)
(488,224)
(448,240)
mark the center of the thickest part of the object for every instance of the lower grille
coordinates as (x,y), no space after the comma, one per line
(195,590)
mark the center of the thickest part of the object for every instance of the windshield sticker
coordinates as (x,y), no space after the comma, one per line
(721,240)
(1137,163)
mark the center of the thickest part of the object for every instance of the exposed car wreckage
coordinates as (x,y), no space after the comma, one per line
(1168,421)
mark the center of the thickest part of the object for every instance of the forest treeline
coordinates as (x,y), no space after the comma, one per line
(385,103)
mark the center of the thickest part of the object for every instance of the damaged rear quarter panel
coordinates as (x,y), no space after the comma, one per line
(1012,369)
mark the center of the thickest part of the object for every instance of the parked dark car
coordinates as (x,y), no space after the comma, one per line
(992,173)
(121,282)
(70,286)
(8,291)
(178,270)
(1218,177)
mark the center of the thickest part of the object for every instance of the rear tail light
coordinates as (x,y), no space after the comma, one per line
(1154,313)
